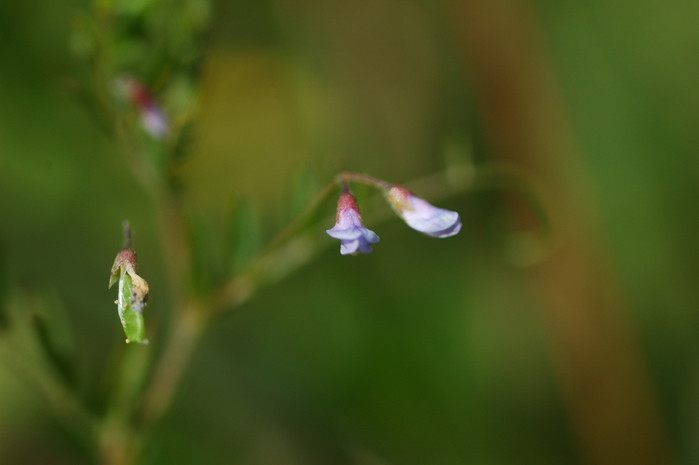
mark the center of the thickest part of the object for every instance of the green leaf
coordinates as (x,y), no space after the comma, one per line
(54,346)
(247,235)
(303,190)
(4,287)
(130,308)
(206,258)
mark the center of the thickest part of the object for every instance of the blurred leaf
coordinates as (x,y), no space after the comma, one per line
(155,149)
(459,162)
(41,327)
(84,37)
(205,265)
(246,234)
(303,190)
(130,53)
(133,7)
(181,96)
(199,14)
(185,142)
(53,345)
(4,286)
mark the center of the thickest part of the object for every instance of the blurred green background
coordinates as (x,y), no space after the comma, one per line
(425,351)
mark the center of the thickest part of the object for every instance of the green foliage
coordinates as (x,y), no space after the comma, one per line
(423,350)
(246,235)
(304,187)
(4,286)
(55,338)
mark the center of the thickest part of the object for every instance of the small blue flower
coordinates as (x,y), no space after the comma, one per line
(349,228)
(421,215)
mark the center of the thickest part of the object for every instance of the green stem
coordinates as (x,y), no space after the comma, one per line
(188,329)
(361,178)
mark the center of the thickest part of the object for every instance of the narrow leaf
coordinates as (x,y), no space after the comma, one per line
(303,189)
(247,235)
(55,352)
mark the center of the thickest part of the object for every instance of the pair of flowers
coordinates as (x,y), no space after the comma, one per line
(416,212)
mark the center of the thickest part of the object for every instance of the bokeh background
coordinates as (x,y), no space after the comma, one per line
(426,351)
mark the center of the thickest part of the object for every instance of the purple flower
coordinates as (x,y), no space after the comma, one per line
(155,122)
(421,215)
(349,228)
(153,118)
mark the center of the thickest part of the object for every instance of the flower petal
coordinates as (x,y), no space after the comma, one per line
(344,233)
(370,236)
(365,246)
(349,247)
(433,221)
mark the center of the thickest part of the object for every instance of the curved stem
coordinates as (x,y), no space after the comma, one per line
(362,178)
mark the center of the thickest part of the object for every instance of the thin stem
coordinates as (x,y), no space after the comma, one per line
(128,234)
(362,178)
(175,245)
(189,327)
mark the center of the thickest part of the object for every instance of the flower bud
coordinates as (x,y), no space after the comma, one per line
(132,297)
(421,215)
(349,228)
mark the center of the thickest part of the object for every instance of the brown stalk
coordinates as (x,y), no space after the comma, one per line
(613,409)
